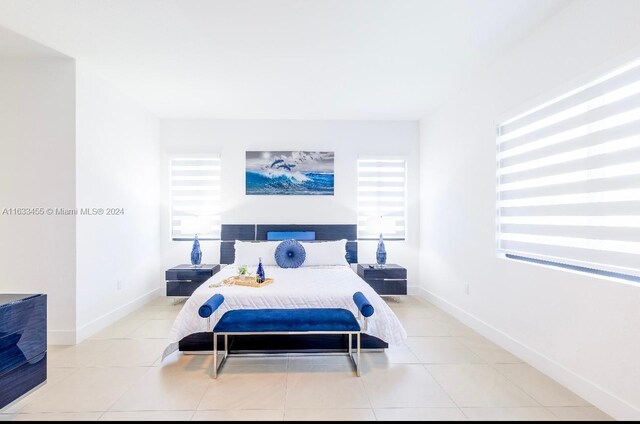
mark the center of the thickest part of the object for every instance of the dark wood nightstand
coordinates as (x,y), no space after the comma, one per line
(183,280)
(388,279)
(23,344)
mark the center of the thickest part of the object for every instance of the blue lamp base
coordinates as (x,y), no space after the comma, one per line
(381,253)
(196,253)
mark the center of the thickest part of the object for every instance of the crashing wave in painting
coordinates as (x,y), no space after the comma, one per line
(289,173)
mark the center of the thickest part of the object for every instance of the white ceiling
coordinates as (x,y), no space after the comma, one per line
(281,59)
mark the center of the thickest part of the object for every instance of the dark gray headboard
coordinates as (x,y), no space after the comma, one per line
(253,232)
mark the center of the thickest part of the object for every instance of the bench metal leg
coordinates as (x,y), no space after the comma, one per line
(358,363)
(215,355)
(217,366)
(355,358)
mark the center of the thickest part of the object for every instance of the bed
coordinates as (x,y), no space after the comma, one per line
(304,287)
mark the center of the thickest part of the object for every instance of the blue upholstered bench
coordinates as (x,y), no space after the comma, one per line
(287,321)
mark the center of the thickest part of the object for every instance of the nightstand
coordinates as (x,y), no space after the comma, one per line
(183,280)
(388,279)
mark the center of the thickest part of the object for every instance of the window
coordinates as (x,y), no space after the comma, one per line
(195,197)
(382,198)
(569,178)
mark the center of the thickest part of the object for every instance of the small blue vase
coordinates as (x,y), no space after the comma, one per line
(381,253)
(196,253)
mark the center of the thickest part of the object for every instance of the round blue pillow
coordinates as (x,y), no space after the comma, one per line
(290,254)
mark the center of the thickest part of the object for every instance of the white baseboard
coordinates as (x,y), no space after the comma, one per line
(57,337)
(109,318)
(591,392)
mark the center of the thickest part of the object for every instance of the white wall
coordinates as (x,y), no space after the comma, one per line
(37,169)
(348,139)
(582,330)
(118,166)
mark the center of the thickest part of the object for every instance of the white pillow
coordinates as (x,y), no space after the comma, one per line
(249,252)
(325,253)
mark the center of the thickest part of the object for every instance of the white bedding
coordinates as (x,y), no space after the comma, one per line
(305,287)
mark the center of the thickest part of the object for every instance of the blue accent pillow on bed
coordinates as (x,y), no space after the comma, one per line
(290,254)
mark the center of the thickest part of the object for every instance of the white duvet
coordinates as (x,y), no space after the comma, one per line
(304,287)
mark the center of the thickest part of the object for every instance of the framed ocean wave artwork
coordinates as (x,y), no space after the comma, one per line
(289,173)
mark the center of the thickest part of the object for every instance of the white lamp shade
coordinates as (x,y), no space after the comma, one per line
(197,224)
(381,224)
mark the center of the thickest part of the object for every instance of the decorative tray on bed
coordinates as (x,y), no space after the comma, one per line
(237,281)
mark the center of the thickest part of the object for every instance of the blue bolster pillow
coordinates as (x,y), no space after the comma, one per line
(210,305)
(363,304)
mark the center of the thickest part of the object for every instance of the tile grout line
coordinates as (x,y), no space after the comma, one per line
(442,388)
(484,361)
(366,392)
(286,388)
(124,392)
(204,392)
(517,385)
(449,335)
(551,412)
(464,414)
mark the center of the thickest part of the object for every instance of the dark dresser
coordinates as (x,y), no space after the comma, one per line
(23,344)
(386,280)
(183,280)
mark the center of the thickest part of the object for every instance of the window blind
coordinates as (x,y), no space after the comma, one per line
(195,198)
(382,193)
(569,177)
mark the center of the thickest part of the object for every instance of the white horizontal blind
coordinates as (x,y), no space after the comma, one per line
(195,196)
(382,192)
(569,177)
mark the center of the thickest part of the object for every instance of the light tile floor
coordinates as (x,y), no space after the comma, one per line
(445,371)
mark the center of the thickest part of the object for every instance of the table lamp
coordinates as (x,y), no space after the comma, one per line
(381,225)
(196,225)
